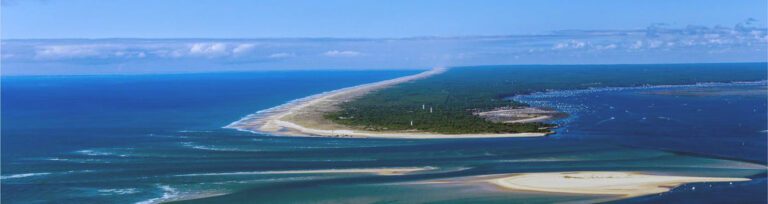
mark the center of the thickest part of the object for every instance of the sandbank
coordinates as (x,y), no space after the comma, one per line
(615,183)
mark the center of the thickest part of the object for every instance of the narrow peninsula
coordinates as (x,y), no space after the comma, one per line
(317,116)
(467,102)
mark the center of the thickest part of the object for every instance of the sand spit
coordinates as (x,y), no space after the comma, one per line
(304,117)
(612,183)
(518,115)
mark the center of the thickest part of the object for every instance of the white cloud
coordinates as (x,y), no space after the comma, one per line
(243,48)
(208,49)
(606,47)
(571,44)
(281,55)
(655,43)
(130,54)
(120,50)
(67,51)
(345,53)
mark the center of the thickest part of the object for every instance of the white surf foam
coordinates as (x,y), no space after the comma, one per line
(13,176)
(118,191)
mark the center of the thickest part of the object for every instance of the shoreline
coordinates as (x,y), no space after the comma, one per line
(303,117)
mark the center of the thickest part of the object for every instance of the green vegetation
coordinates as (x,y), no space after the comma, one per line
(455,94)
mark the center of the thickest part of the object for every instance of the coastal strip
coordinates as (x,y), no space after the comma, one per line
(305,117)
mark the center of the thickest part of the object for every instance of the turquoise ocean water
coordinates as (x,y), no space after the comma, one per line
(157,138)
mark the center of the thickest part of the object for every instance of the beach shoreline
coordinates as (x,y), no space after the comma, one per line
(304,117)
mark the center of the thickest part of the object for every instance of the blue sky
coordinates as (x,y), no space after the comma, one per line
(364,18)
(172,36)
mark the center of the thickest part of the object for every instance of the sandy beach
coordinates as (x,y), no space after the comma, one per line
(304,117)
(519,115)
(612,183)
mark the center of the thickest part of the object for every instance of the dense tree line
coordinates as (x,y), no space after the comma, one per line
(454,95)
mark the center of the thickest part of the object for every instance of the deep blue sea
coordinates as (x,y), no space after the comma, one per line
(157,138)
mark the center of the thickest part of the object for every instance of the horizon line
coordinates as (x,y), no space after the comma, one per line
(547,33)
(372,69)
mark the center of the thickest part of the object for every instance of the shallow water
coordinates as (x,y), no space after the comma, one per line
(128,139)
